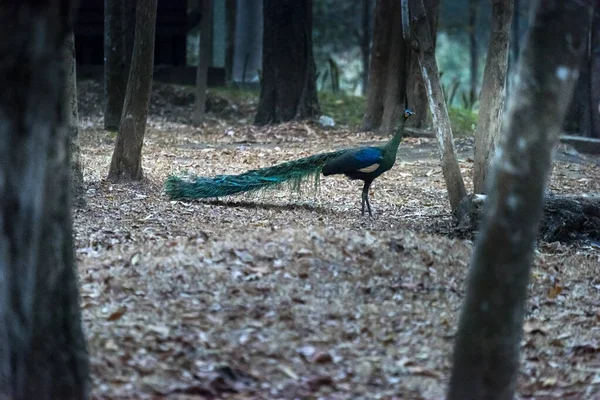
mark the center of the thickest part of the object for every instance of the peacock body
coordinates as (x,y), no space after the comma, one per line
(364,163)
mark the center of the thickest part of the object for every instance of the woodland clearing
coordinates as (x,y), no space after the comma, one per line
(283,295)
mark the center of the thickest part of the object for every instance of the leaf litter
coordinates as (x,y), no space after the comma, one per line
(295,295)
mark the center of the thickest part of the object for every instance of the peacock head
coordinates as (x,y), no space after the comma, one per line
(408,112)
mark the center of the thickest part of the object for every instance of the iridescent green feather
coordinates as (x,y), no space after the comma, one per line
(291,172)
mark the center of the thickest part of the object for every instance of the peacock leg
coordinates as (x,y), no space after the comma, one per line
(365,199)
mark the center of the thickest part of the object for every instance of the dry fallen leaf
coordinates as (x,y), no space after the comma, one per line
(116,314)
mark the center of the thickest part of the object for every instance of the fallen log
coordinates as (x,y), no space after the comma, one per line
(582,144)
(567,218)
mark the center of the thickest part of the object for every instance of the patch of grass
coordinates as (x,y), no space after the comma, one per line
(344,109)
(463,121)
(235,94)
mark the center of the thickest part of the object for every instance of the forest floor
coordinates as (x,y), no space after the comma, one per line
(296,295)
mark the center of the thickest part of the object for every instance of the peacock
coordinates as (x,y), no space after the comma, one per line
(364,163)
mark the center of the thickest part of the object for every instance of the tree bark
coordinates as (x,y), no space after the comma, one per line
(249,41)
(397,73)
(382,32)
(486,353)
(595,73)
(417,94)
(230,16)
(473,49)
(388,70)
(579,120)
(365,42)
(118,46)
(203,62)
(491,106)
(288,87)
(126,162)
(42,347)
(73,121)
(516,31)
(423,44)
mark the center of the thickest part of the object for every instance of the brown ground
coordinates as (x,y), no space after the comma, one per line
(284,296)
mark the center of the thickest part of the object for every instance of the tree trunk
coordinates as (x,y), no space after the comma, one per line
(491,106)
(423,44)
(118,46)
(42,347)
(594,66)
(230,18)
(365,43)
(397,73)
(204,61)
(579,120)
(288,87)
(473,50)
(486,354)
(382,32)
(388,70)
(516,30)
(126,163)
(248,41)
(73,121)
(417,94)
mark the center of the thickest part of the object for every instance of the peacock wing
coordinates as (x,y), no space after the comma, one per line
(354,160)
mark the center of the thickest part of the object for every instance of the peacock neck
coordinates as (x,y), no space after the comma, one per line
(391,147)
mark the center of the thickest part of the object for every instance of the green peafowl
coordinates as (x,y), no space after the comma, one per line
(364,163)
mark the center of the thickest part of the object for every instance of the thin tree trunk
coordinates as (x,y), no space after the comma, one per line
(473,49)
(365,42)
(423,44)
(249,40)
(204,61)
(516,31)
(486,354)
(118,42)
(492,96)
(73,121)
(288,87)
(378,69)
(126,162)
(417,94)
(231,12)
(42,347)
(595,74)
(397,72)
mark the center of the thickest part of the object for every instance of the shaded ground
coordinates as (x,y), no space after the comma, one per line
(286,295)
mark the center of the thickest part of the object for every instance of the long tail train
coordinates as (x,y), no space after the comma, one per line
(292,172)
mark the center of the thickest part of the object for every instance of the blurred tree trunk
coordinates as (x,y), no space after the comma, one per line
(516,30)
(473,50)
(288,87)
(73,121)
(583,117)
(486,354)
(203,62)
(365,42)
(595,73)
(388,70)
(126,162)
(417,95)
(423,45)
(397,73)
(42,346)
(119,27)
(491,106)
(249,42)
(230,18)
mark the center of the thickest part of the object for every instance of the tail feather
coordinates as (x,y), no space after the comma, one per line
(291,172)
